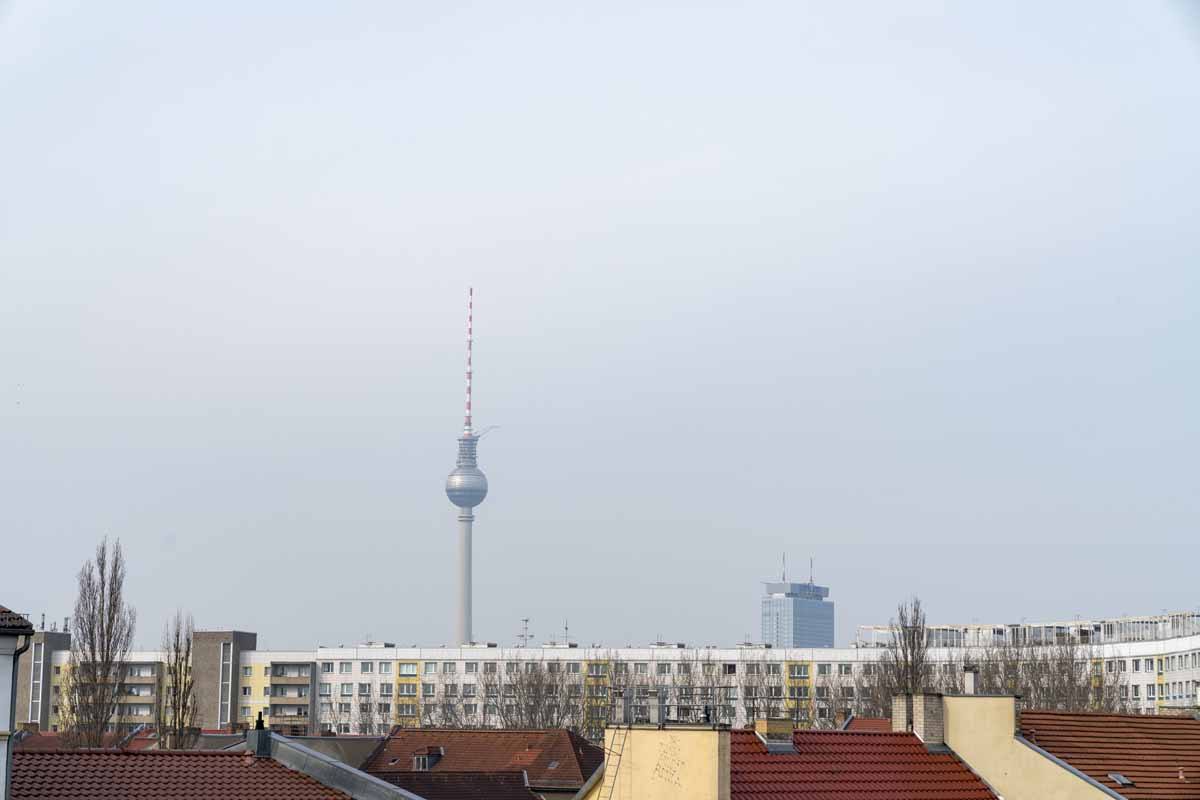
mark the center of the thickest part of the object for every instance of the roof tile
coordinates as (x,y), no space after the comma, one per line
(552,758)
(158,775)
(845,765)
(1160,754)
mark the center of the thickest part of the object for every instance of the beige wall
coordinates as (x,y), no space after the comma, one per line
(981,730)
(676,763)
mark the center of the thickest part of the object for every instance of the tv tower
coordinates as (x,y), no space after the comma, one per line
(466,487)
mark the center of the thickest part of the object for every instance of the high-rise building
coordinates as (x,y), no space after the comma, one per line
(466,487)
(797,614)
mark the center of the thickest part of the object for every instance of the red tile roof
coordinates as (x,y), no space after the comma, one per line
(463,785)
(1148,750)
(843,765)
(158,775)
(13,624)
(869,724)
(556,759)
(44,741)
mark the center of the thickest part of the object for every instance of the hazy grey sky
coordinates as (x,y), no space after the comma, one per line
(911,288)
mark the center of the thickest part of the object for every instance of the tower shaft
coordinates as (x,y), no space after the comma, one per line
(466,521)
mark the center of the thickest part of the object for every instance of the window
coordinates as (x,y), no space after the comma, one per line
(846,669)
(245,691)
(1149,665)
(824,669)
(427,690)
(430,667)
(345,667)
(266,691)
(1137,665)
(408,669)
(450,690)
(531,667)
(1135,689)
(470,709)
(343,708)
(267,671)
(847,692)
(1149,691)
(753,669)
(822,692)
(364,690)
(347,689)
(406,710)
(798,692)
(798,671)
(510,667)
(247,672)
(245,711)
(407,690)
(774,669)
(572,667)
(729,669)
(326,708)
(489,668)
(343,727)
(868,669)
(327,667)
(364,708)
(468,690)
(449,667)
(597,670)
(366,667)
(325,689)
(385,668)
(471,667)
(385,689)
(641,668)
(385,708)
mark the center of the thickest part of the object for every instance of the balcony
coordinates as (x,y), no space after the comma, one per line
(291,680)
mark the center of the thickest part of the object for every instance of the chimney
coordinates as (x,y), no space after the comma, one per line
(839,718)
(970,679)
(259,739)
(902,713)
(927,719)
(774,728)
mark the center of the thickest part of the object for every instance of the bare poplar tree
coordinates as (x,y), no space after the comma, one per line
(906,659)
(177,709)
(100,644)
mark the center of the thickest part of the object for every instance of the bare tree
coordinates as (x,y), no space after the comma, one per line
(906,659)
(100,644)
(535,694)
(762,687)
(177,708)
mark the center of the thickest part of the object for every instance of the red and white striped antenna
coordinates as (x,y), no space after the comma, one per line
(470,339)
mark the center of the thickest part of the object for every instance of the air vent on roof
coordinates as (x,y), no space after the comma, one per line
(1120,779)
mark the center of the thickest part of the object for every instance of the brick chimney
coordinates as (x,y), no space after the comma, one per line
(928,721)
(920,713)
(902,713)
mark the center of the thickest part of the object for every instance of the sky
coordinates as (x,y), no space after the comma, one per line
(909,289)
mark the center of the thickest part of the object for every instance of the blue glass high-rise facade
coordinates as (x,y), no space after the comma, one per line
(797,615)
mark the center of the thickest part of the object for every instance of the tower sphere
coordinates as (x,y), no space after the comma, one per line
(466,486)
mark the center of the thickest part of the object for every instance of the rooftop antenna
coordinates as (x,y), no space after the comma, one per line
(783,574)
(810,570)
(525,635)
